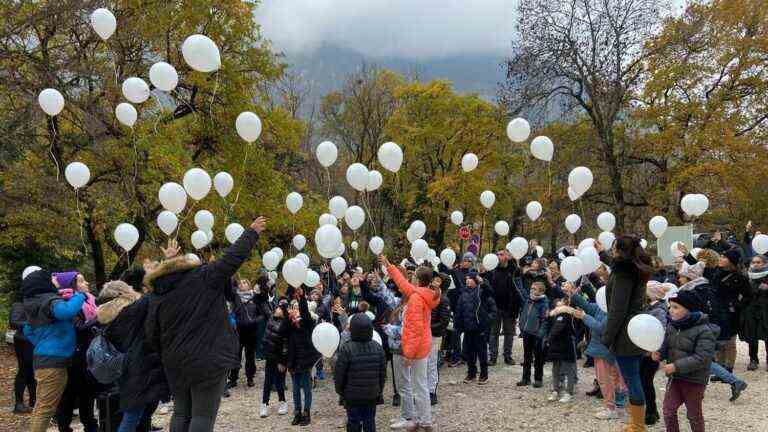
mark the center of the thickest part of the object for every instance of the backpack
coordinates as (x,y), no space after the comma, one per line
(104,361)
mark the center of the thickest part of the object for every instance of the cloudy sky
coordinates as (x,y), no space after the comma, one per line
(412,29)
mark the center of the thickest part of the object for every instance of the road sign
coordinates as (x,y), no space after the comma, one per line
(464,233)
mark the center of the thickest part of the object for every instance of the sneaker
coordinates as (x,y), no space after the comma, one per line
(607,414)
(509,361)
(20,408)
(566,398)
(736,389)
(554,396)
(231,384)
(469,379)
(433,399)
(538,384)
(283,410)
(482,381)
(226,393)
(264,411)
(402,423)
(753,366)
(595,391)
(523,383)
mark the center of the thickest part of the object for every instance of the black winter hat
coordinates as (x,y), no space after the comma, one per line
(38,282)
(733,255)
(686,299)
(361,328)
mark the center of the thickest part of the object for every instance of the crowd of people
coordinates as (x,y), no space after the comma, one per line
(180,328)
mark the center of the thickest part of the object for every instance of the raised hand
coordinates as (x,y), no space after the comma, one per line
(172,250)
(259,224)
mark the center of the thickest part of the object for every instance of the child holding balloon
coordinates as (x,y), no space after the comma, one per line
(688,349)
(302,357)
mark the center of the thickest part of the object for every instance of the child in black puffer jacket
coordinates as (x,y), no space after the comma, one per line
(276,353)
(302,356)
(561,341)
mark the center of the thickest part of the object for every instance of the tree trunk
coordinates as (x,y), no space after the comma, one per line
(614,171)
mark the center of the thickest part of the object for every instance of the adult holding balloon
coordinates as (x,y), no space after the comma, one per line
(194,314)
(625,294)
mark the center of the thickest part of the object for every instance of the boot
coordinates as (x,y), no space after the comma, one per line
(20,408)
(296,419)
(636,421)
(305,419)
(651,418)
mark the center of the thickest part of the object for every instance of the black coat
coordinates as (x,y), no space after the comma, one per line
(361,366)
(16,321)
(275,342)
(562,338)
(727,288)
(188,320)
(505,292)
(441,317)
(476,309)
(143,379)
(754,315)
(625,295)
(302,354)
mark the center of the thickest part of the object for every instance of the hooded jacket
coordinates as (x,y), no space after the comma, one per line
(690,345)
(561,338)
(49,327)
(187,321)
(302,354)
(476,309)
(533,316)
(440,317)
(417,332)
(625,296)
(361,366)
(143,379)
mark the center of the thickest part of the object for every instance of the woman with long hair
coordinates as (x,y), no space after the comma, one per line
(625,293)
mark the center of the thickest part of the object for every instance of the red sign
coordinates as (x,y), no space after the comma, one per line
(464,233)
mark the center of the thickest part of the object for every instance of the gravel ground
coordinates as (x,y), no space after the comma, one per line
(498,406)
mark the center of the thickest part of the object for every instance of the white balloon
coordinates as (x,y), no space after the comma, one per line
(126,235)
(390,156)
(658,225)
(326,153)
(327,240)
(586,243)
(487,198)
(199,239)
(294,272)
(646,331)
(77,174)
(570,268)
(418,228)
(167,221)
(51,101)
(607,238)
(700,204)
(518,247)
(304,258)
(572,223)
(643,243)
(325,338)
(201,53)
(354,217)
(135,90)
(580,180)
(126,114)
(163,76)
(601,299)
(312,279)
(469,162)
(606,221)
(223,183)
(542,148)
(270,260)
(501,228)
(204,220)
(590,259)
(490,262)
(294,201)
(197,183)
(29,270)
(411,235)
(448,257)
(539,251)
(338,206)
(376,244)
(533,210)
(209,234)
(760,244)
(327,219)
(419,249)
(357,176)
(518,130)
(233,232)
(103,23)
(457,218)
(338,265)
(299,241)
(248,126)
(431,253)
(688,205)
(173,197)
(673,248)
(279,253)
(375,180)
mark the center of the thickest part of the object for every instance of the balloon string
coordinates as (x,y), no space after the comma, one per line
(242,172)
(368,210)
(328,173)
(549,181)
(189,212)
(135,160)
(213,95)
(50,149)
(80,220)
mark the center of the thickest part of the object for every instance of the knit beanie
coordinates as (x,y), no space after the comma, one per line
(692,271)
(469,256)
(686,299)
(66,279)
(733,256)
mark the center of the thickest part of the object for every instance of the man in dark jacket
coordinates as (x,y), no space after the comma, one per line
(507,297)
(188,325)
(361,372)
(458,275)
(474,314)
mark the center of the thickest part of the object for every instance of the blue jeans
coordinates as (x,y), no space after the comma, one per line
(301,383)
(722,373)
(361,418)
(629,366)
(131,419)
